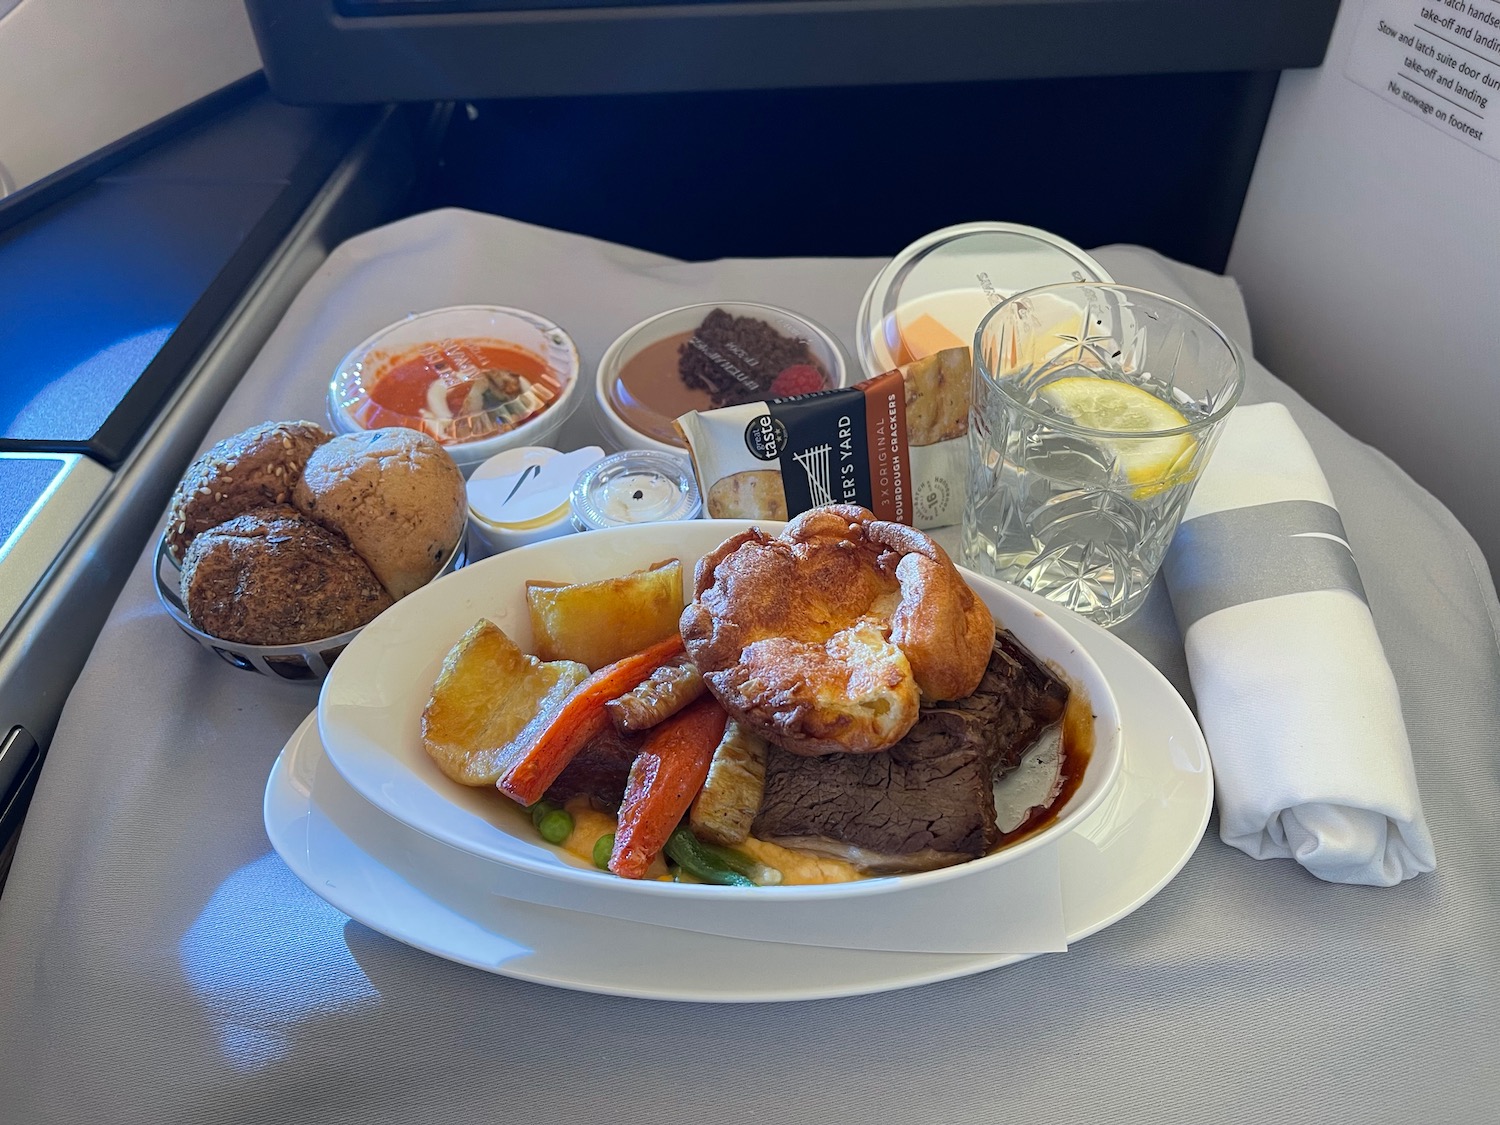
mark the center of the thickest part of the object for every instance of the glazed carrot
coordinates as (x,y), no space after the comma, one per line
(666,776)
(545,751)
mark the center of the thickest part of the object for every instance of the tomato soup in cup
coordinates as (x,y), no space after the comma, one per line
(480,379)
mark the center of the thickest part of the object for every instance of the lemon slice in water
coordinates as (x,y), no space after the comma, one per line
(1151,464)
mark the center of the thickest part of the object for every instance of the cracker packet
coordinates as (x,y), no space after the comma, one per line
(896,444)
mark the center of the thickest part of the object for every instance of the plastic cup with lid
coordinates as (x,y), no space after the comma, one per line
(635,486)
(522,495)
(478,378)
(933,294)
(708,355)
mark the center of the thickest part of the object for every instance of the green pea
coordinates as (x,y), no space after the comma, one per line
(539,810)
(604,847)
(555,826)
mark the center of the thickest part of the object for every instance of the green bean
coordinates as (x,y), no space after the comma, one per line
(723,866)
(742,863)
(556,826)
(604,847)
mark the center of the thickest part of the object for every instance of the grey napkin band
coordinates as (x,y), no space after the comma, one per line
(1262,551)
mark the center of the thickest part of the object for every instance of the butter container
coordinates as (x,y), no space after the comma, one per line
(635,486)
(521,496)
(932,295)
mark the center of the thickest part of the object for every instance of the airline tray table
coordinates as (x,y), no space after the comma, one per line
(160,963)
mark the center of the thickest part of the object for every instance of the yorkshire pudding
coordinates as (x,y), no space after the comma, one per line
(824,638)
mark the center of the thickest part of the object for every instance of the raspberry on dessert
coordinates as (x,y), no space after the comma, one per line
(798,379)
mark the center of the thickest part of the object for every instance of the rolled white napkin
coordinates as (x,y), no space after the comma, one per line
(1295,696)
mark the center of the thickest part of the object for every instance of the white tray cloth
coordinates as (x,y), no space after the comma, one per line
(159,964)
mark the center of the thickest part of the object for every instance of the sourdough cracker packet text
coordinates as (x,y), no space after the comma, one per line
(895,444)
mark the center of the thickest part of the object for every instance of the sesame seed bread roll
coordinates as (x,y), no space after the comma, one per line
(253,469)
(395,494)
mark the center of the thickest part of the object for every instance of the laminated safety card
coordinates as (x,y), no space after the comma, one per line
(1438,60)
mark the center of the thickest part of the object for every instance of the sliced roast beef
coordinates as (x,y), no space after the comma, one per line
(926,802)
(1020,698)
(598,771)
(929,800)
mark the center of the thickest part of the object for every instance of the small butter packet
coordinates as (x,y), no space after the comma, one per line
(896,444)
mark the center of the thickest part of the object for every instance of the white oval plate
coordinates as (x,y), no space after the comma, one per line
(411,888)
(370,708)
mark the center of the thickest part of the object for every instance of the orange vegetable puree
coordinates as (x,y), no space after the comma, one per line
(588,825)
(797,868)
(800,868)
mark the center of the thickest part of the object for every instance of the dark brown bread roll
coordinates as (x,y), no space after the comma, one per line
(252,469)
(270,577)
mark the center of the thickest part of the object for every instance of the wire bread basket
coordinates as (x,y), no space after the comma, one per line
(307,662)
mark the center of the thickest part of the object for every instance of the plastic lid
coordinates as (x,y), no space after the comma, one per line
(527,488)
(635,486)
(462,375)
(933,294)
(699,357)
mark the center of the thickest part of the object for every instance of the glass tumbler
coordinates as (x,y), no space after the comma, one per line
(1095,408)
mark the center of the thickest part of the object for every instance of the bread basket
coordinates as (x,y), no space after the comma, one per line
(308,662)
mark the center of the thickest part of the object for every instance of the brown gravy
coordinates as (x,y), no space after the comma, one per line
(1077,749)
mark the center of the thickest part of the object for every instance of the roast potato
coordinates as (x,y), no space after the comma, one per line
(596,623)
(486,693)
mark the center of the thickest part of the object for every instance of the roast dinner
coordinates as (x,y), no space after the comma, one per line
(829,703)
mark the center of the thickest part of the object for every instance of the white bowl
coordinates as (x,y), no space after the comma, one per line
(348,394)
(369,711)
(675,322)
